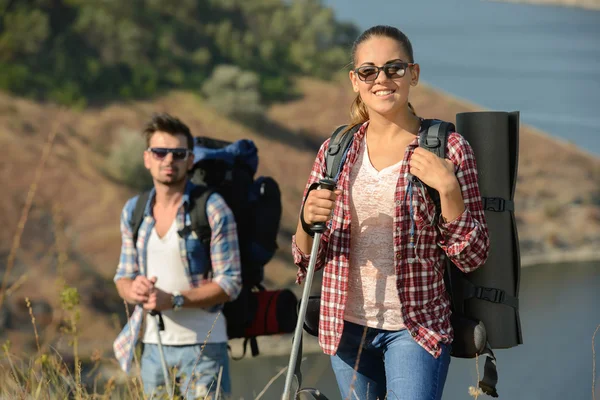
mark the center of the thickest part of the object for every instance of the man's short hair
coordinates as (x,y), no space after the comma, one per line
(163,122)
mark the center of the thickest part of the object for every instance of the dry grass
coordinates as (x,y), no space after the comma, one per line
(25,213)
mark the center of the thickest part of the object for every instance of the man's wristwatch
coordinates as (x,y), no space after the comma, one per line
(177,301)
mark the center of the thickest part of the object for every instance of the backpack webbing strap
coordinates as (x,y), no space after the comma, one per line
(138,215)
(490,374)
(253,347)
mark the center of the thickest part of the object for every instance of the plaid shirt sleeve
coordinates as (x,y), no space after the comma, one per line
(300,258)
(465,239)
(224,247)
(124,344)
(128,266)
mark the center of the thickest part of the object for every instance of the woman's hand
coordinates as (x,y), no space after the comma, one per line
(434,171)
(319,204)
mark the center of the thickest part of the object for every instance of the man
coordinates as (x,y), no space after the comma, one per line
(165,272)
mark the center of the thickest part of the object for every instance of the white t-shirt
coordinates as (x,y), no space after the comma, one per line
(187,325)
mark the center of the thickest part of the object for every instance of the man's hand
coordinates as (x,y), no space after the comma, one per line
(139,290)
(158,300)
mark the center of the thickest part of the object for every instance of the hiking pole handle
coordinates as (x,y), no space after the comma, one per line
(301,314)
(319,227)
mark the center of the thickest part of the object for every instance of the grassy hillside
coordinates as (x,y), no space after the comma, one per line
(72,228)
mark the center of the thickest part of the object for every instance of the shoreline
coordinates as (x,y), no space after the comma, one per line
(581,4)
(560,257)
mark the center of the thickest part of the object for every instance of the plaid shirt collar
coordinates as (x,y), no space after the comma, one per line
(185,199)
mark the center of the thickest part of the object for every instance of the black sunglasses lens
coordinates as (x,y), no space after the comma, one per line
(159,153)
(179,154)
(368,74)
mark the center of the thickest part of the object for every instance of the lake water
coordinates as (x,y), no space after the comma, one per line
(560,309)
(540,60)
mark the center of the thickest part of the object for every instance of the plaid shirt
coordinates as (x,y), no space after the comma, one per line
(419,266)
(224,256)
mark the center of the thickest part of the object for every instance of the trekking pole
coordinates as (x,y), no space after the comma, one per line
(161,327)
(318,228)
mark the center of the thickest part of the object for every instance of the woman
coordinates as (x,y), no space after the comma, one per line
(383,299)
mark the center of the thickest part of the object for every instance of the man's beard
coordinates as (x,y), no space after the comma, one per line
(174,182)
(175,179)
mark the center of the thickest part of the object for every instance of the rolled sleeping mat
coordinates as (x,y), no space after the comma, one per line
(490,294)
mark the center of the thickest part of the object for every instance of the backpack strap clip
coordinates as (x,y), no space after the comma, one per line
(431,142)
(493,295)
(490,294)
(497,204)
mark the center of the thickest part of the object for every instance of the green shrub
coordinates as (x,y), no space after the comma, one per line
(126,162)
(235,93)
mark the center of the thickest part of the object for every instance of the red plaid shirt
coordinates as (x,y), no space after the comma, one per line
(419,267)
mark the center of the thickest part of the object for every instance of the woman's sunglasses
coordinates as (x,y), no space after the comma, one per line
(369,73)
(179,154)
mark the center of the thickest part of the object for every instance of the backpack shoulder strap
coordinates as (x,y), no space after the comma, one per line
(435,140)
(138,215)
(199,217)
(337,150)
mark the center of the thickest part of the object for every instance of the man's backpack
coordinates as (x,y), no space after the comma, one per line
(484,303)
(229,169)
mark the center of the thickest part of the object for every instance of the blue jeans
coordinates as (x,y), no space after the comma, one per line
(391,363)
(183,358)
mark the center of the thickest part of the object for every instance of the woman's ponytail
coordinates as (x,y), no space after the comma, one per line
(358,113)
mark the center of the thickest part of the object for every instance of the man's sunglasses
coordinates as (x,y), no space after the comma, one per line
(179,154)
(369,73)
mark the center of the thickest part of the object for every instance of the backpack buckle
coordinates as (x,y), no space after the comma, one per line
(490,294)
(493,204)
(432,142)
